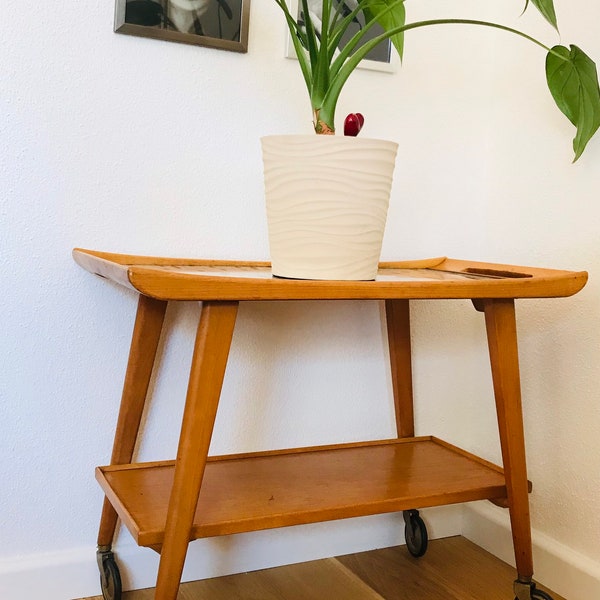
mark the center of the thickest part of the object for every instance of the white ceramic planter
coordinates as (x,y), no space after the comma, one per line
(327,198)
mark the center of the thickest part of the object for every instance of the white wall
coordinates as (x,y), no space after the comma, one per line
(133,145)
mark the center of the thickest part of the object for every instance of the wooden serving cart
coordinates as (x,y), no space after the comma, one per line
(167,504)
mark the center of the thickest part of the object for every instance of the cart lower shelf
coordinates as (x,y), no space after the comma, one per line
(247,492)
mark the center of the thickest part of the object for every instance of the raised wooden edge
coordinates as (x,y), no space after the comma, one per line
(132,260)
(151,276)
(149,538)
(123,511)
(118,267)
(301,450)
(423,263)
(501,502)
(104,265)
(503,270)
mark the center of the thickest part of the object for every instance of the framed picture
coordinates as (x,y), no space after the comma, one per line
(382,58)
(219,24)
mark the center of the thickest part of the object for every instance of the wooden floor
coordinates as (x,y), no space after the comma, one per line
(452,569)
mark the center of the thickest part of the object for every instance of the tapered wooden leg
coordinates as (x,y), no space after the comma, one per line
(213,340)
(398,330)
(502,340)
(144,344)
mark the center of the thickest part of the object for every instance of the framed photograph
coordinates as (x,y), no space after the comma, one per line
(219,24)
(382,58)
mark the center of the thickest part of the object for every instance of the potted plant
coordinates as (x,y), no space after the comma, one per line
(328,54)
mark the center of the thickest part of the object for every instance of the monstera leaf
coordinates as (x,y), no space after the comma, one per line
(328,52)
(573,82)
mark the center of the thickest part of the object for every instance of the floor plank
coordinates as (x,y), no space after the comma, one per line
(313,580)
(452,569)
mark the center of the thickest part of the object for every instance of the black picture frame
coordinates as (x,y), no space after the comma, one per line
(221,24)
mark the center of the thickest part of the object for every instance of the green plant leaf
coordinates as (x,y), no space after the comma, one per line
(352,48)
(311,36)
(321,65)
(573,82)
(299,43)
(390,14)
(546,7)
(340,25)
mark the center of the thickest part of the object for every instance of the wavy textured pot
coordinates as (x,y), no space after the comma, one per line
(327,199)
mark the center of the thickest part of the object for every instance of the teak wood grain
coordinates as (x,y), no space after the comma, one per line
(190,279)
(504,360)
(397,314)
(211,350)
(144,344)
(277,489)
(167,504)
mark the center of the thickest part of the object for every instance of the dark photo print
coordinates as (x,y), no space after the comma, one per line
(217,23)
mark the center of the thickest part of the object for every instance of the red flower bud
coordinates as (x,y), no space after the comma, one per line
(353,124)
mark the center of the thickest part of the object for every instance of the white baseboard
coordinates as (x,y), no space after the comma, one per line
(56,575)
(68,574)
(567,572)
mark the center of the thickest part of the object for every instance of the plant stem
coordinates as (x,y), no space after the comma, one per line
(467,22)
(340,78)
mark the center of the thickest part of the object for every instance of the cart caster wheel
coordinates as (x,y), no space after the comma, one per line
(110,578)
(538,594)
(415,532)
(535,594)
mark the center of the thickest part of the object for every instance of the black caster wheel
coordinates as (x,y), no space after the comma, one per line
(538,594)
(110,578)
(415,532)
(535,594)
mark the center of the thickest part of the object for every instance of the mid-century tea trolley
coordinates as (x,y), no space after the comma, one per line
(167,504)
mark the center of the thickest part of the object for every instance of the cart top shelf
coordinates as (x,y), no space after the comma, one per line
(194,279)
